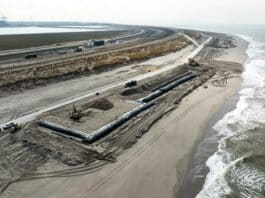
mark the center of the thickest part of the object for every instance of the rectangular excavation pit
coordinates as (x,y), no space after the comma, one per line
(95,135)
(103,104)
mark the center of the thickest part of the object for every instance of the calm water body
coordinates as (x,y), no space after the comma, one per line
(234,152)
(38,30)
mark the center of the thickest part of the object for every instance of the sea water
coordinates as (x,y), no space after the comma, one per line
(237,167)
(40,30)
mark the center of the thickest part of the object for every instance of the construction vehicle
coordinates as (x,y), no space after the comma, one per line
(131,83)
(78,49)
(30,56)
(12,127)
(192,62)
(75,114)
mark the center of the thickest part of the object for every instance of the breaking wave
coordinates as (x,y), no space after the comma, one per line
(237,169)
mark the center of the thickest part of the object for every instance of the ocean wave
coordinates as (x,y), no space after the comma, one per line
(234,170)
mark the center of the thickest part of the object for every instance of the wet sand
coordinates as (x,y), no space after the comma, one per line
(198,170)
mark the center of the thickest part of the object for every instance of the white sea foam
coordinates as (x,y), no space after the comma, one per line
(249,113)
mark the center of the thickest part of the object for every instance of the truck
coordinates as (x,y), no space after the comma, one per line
(131,83)
(31,56)
(78,49)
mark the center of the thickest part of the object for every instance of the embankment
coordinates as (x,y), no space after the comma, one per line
(25,75)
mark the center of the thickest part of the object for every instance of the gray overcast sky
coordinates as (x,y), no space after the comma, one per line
(152,12)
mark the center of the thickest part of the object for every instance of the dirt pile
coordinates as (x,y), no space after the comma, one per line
(132,91)
(102,104)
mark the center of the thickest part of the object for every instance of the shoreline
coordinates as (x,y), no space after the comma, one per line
(208,145)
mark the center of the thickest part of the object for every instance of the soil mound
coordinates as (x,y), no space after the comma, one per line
(102,104)
(131,91)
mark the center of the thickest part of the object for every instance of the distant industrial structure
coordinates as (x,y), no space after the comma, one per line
(98,43)
(94,43)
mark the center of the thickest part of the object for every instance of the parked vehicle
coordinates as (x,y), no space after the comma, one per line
(131,83)
(30,56)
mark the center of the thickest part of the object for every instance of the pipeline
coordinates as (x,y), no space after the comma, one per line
(176,78)
(92,137)
(62,129)
(178,82)
(167,88)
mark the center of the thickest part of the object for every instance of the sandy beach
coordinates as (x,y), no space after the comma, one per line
(156,166)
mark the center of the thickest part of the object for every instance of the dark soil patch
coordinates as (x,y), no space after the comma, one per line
(102,104)
(131,91)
